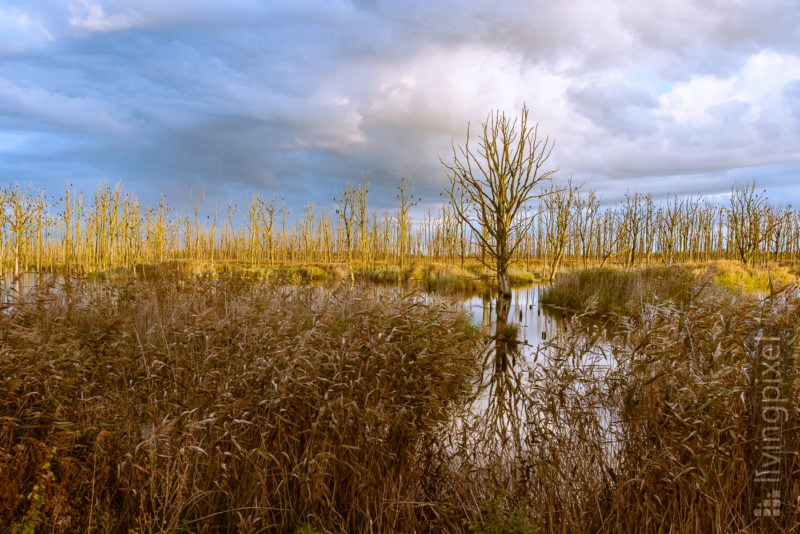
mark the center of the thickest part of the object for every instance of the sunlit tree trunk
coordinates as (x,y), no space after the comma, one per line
(23,211)
(407,202)
(559,203)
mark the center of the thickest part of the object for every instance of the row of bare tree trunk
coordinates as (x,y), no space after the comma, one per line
(561,223)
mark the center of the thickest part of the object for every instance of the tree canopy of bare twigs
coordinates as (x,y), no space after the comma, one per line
(491,182)
(749,223)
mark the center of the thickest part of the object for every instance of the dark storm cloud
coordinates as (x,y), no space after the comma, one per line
(622,110)
(295,98)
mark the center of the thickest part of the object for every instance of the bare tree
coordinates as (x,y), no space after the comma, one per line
(746,221)
(608,235)
(268,225)
(778,220)
(254,209)
(559,217)
(668,221)
(212,235)
(586,208)
(489,187)
(22,208)
(346,209)
(363,218)
(633,218)
(407,202)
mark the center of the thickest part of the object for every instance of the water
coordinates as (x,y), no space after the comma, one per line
(561,371)
(15,287)
(46,286)
(536,323)
(22,284)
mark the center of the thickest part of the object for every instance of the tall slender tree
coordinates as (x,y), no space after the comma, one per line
(489,187)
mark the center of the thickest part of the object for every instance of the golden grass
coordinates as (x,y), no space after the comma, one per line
(685,399)
(606,289)
(749,279)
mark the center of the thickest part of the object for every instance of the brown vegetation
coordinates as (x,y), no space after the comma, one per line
(602,290)
(225,404)
(649,421)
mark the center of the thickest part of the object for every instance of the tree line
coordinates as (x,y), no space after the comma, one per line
(562,223)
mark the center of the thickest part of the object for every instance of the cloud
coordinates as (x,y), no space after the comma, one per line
(294,98)
(621,109)
(40,108)
(91,16)
(21,32)
(706,124)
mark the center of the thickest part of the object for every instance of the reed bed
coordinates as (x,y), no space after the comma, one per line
(685,387)
(616,289)
(670,421)
(607,289)
(748,278)
(226,404)
(222,406)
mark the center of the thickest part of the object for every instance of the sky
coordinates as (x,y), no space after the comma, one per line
(294,98)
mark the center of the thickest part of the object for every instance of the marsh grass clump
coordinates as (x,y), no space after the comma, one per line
(223,405)
(523,277)
(609,289)
(300,273)
(382,274)
(435,276)
(748,278)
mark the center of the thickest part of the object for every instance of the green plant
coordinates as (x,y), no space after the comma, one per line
(496,520)
(37,498)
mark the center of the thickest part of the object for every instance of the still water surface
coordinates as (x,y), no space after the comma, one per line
(536,323)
